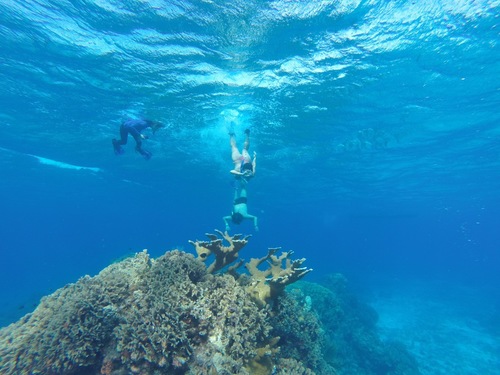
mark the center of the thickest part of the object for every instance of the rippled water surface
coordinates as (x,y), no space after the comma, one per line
(349,98)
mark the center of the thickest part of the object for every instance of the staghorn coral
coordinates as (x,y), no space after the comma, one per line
(269,284)
(224,255)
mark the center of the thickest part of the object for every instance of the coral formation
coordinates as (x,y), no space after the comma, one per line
(263,285)
(173,315)
(268,284)
(351,343)
(224,255)
(139,316)
(147,316)
(301,333)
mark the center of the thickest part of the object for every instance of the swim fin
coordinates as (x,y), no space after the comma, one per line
(145,153)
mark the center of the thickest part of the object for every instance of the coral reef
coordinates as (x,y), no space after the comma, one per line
(173,315)
(169,315)
(351,343)
(301,333)
(139,316)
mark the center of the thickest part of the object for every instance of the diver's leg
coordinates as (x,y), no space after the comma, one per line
(243,191)
(138,147)
(123,140)
(246,145)
(138,142)
(254,219)
(227,220)
(123,136)
(147,155)
(235,153)
(245,156)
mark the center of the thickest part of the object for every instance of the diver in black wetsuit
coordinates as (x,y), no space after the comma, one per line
(134,127)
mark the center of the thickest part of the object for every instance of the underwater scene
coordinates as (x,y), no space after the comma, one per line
(250,187)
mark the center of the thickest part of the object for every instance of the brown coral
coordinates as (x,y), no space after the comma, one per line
(267,284)
(224,255)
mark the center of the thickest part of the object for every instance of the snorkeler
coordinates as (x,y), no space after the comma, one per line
(134,127)
(240,209)
(244,166)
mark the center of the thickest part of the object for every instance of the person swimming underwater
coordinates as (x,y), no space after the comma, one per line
(240,209)
(244,165)
(134,127)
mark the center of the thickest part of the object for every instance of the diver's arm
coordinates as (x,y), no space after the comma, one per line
(226,221)
(247,173)
(235,172)
(254,163)
(254,219)
(134,132)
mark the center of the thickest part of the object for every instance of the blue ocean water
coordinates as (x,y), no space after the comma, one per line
(376,126)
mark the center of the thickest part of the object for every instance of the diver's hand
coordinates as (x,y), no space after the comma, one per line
(228,228)
(254,154)
(144,136)
(256,228)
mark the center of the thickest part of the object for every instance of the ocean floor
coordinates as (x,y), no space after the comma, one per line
(450,329)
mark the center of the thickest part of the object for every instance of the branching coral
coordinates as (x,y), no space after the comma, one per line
(224,255)
(265,285)
(268,284)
